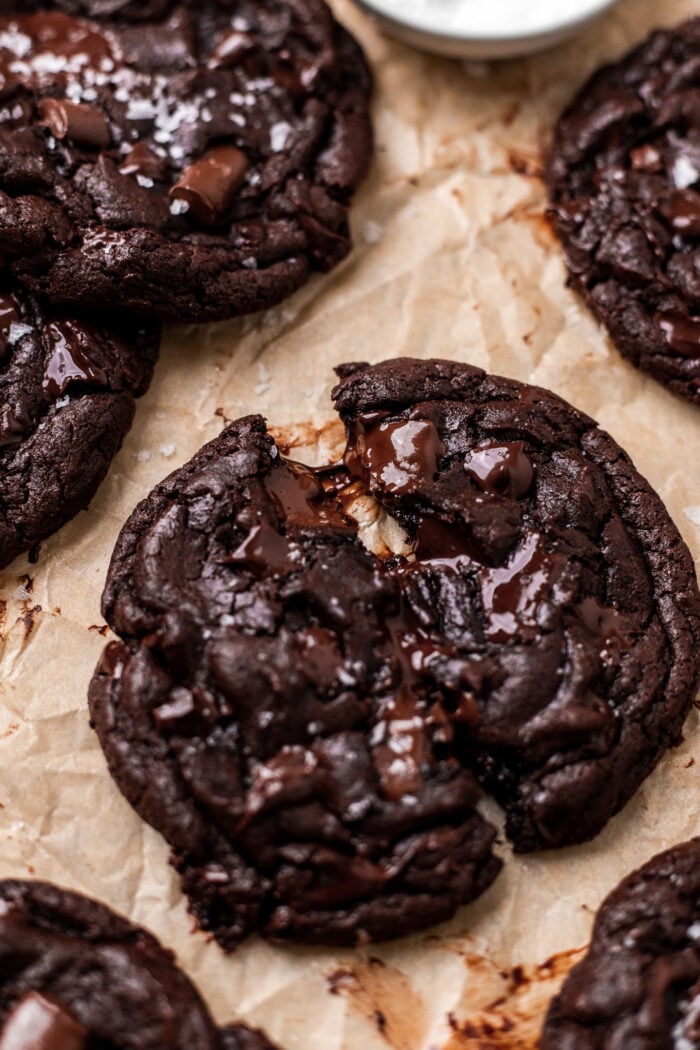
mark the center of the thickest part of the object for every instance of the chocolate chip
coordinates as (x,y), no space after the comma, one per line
(76,121)
(681,209)
(646,158)
(142,160)
(681,333)
(231,49)
(210,184)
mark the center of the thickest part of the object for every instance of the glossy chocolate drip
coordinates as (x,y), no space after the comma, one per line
(67,361)
(512,594)
(9,315)
(682,333)
(307,496)
(394,456)
(400,744)
(417,712)
(501,468)
(410,720)
(447,545)
(41,1023)
(265,550)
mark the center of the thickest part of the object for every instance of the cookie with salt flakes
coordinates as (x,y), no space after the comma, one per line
(67,400)
(624,184)
(181,160)
(75,976)
(638,986)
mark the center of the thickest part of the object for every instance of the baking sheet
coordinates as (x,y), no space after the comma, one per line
(453,258)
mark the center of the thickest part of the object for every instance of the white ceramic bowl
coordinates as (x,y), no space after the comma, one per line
(434,29)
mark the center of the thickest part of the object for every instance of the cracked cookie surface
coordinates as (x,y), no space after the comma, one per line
(624,183)
(74,975)
(306,721)
(67,391)
(190,161)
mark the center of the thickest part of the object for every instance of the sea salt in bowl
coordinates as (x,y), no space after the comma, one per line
(483,29)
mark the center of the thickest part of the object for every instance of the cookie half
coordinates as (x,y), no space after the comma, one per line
(190,161)
(304,719)
(67,390)
(74,975)
(624,183)
(639,985)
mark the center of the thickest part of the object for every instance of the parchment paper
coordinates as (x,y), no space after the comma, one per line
(453,258)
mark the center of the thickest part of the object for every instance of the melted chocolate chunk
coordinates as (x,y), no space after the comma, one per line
(681,210)
(624,184)
(304,496)
(398,455)
(9,317)
(76,976)
(498,468)
(265,549)
(681,333)
(144,160)
(315,715)
(513,594)
(67,393)
(187,161)
(638,987)
(38,1023)
(68,362)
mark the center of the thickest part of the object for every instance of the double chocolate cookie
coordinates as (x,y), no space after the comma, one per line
(304,719)
(188,160)
(73,976)
(639,985)
(67,392)
(624,182)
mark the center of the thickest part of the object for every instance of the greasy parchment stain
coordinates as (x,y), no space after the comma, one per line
(514,1019)
(453,258)
(515,1001)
